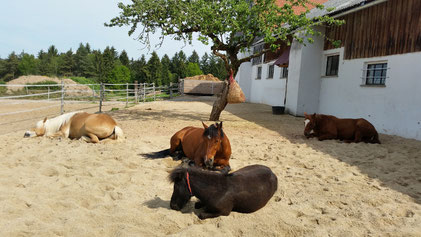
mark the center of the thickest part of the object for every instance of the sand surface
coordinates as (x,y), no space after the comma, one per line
(61,187)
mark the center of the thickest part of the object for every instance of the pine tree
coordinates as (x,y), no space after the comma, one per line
(67,63)
(154,67)
(28,65)
(12,63)
(81,61)
(194,57)
(124,59)
(204,64)
(167,76)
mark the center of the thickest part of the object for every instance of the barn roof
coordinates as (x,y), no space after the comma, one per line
(338,6)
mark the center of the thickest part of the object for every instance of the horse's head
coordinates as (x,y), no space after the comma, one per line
(212,136)
(182,190)
(309,124)
(39,129)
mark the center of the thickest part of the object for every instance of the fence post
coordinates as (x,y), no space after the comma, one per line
(127,94)
(26,88)
(170,90)
(144,92)
(154,93)
(62,98)
(48,98)
(135,92)
(101,96)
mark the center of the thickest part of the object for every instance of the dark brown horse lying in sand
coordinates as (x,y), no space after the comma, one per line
(208,147)
(330,127)
(75,125)
(246,190)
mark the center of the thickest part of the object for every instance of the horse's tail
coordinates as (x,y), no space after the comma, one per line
(118,133)
(158,154)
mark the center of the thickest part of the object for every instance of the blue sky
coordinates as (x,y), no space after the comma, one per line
(31,25)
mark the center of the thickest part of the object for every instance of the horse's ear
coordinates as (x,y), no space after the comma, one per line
(204,125)
(45,120)
(305,114)
(220,125)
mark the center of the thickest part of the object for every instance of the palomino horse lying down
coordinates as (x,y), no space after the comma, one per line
(75,125)
(208,147)
(246,190)
(330,127)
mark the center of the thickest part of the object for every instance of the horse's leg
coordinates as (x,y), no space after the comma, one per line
(326,137)
(93,137)
(199,204)
(358,136)
(223,209)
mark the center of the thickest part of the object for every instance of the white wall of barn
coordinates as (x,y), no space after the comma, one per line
(393,109)
(265,90)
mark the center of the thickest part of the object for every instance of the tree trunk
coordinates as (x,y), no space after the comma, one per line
(220,103)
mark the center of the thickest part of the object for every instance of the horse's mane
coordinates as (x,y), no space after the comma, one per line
(180,172)
(54,124)
(212,131)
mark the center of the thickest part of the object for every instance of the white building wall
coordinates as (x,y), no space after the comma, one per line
(304,76)
(265,90)
(394,109)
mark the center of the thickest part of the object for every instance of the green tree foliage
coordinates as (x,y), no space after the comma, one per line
(155,70)
(67,64)
(167,76)
(231,26)
(119,75)
(12,64)
(81,61)
(194,57)
(179,64)
(124,59)
(28,65)
(193,69)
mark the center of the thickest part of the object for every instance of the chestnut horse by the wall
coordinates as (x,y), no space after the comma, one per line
(75,125)
(330,127)
(208,147)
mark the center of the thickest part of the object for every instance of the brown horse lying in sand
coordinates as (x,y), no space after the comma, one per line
(245,190)
(330,127)
(75,125)
(208,147)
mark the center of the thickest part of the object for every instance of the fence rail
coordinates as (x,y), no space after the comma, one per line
(103,93)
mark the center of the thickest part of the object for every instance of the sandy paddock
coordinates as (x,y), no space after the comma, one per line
(61,187)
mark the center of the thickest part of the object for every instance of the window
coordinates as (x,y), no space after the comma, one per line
(284,72)
(256,49)
(270,71)
(332,65)
(259,73)
(376,74)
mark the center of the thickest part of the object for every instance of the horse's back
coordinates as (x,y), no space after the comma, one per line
(252,186)
(102,125)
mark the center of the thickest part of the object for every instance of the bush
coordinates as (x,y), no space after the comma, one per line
(55,86)
(84,80)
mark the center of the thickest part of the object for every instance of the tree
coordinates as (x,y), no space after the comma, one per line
(119,75)
(81,61)
(231,26)
(193,69)
(28,65)
(67,63)
(194,57)
(124,59)
(154,67)
(167,76)
(12,64)
(204,64)
(179,64)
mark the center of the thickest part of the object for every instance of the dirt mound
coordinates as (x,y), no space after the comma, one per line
(208,77)
(72,88)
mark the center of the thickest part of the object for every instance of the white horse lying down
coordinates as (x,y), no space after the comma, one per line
(75,125)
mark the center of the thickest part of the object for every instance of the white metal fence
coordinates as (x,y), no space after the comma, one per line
(100,94)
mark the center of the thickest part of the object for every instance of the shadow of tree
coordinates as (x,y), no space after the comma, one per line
(396,163)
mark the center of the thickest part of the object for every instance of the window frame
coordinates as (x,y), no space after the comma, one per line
(259,75)
(269,76)
(329,72)
(370,71)
(284,73)
(259,59)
